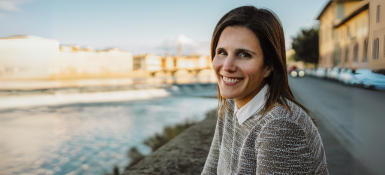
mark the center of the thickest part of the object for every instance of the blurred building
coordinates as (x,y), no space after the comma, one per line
(148,62)
(75,61)
(31,57)
(26,57)
(352,34)
(151,62)
(188,62)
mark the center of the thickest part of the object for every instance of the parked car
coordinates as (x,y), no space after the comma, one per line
(297,73)
(346,75)
(375,81)
(320,72)
(369,79)
(359,76)
(333,73)
(310,71)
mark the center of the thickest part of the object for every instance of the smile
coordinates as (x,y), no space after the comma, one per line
(231,81)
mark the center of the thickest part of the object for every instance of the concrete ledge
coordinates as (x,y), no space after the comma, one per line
(185,154)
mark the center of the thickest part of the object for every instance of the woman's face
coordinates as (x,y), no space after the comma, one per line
(238,64)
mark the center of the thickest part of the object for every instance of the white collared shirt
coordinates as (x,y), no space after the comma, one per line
(253,106)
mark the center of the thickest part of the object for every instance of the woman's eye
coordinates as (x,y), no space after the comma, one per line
(244,55)
(221,52)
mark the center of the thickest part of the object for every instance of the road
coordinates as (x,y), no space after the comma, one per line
(351,123)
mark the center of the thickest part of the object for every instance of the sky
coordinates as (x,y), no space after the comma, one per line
(141,26)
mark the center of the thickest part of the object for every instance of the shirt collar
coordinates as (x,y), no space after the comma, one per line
(253,106)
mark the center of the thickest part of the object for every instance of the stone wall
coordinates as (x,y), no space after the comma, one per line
(185,154)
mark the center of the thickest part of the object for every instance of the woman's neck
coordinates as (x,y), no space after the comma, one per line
(240,102)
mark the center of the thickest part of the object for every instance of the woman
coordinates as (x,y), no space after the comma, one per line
(261,128)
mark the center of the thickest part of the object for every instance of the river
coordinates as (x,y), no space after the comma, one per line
(91,136)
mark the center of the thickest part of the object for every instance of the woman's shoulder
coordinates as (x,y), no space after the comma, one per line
(293,114)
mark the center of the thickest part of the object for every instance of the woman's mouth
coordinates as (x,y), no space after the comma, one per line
(230,81)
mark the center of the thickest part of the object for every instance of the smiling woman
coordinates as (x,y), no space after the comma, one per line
(261,128)
(239,65)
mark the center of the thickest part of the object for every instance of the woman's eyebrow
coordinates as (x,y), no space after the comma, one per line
(237,50)
(220,48)
(245,50)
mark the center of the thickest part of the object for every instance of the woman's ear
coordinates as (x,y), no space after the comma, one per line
(269,71)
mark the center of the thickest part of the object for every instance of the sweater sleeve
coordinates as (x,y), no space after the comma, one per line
(282,148)
(212,159)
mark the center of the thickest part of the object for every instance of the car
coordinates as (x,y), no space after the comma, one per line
(309,71)
(297,73)
(359,76)
(368,79)
(333,73)
(328,71)
(374,81)
(320,72)
(346,75)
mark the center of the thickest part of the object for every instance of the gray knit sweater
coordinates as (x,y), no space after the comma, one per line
(278,143)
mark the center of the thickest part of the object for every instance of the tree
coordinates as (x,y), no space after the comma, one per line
(305,45)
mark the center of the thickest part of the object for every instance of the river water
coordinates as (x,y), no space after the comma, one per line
(88,137)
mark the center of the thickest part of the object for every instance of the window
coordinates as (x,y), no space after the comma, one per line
(337,54)
(365,56)
(348,32)
(375,48)
(346,54)
(355,52)
(378,14)
(340,10)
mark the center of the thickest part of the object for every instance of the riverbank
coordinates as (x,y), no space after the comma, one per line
(185,154)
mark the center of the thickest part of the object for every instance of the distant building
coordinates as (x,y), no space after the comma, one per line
(31,57)
(352,34)
(188,62)
(26,57)
(75,61)
(148,62)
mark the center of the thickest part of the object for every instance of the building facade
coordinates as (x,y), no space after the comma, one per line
(350,34)
(75,61)
(27,57)
(32,57)
(148,62)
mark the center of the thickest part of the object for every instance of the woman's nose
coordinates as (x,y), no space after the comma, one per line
(229,64)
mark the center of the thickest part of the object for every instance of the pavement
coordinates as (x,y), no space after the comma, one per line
(350,119)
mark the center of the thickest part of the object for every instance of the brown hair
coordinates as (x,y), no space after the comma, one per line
(268,29)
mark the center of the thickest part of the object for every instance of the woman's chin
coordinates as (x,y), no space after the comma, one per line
(228,96)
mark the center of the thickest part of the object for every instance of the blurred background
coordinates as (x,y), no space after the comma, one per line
(83,81)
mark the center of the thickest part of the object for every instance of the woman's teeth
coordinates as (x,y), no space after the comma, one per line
(229,80)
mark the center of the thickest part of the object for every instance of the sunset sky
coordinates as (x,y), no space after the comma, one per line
(139,26)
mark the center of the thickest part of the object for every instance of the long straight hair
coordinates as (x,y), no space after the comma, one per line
(268,29)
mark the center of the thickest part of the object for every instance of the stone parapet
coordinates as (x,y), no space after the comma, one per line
(185,154)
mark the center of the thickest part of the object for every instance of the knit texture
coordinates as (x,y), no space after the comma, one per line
(277,143)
